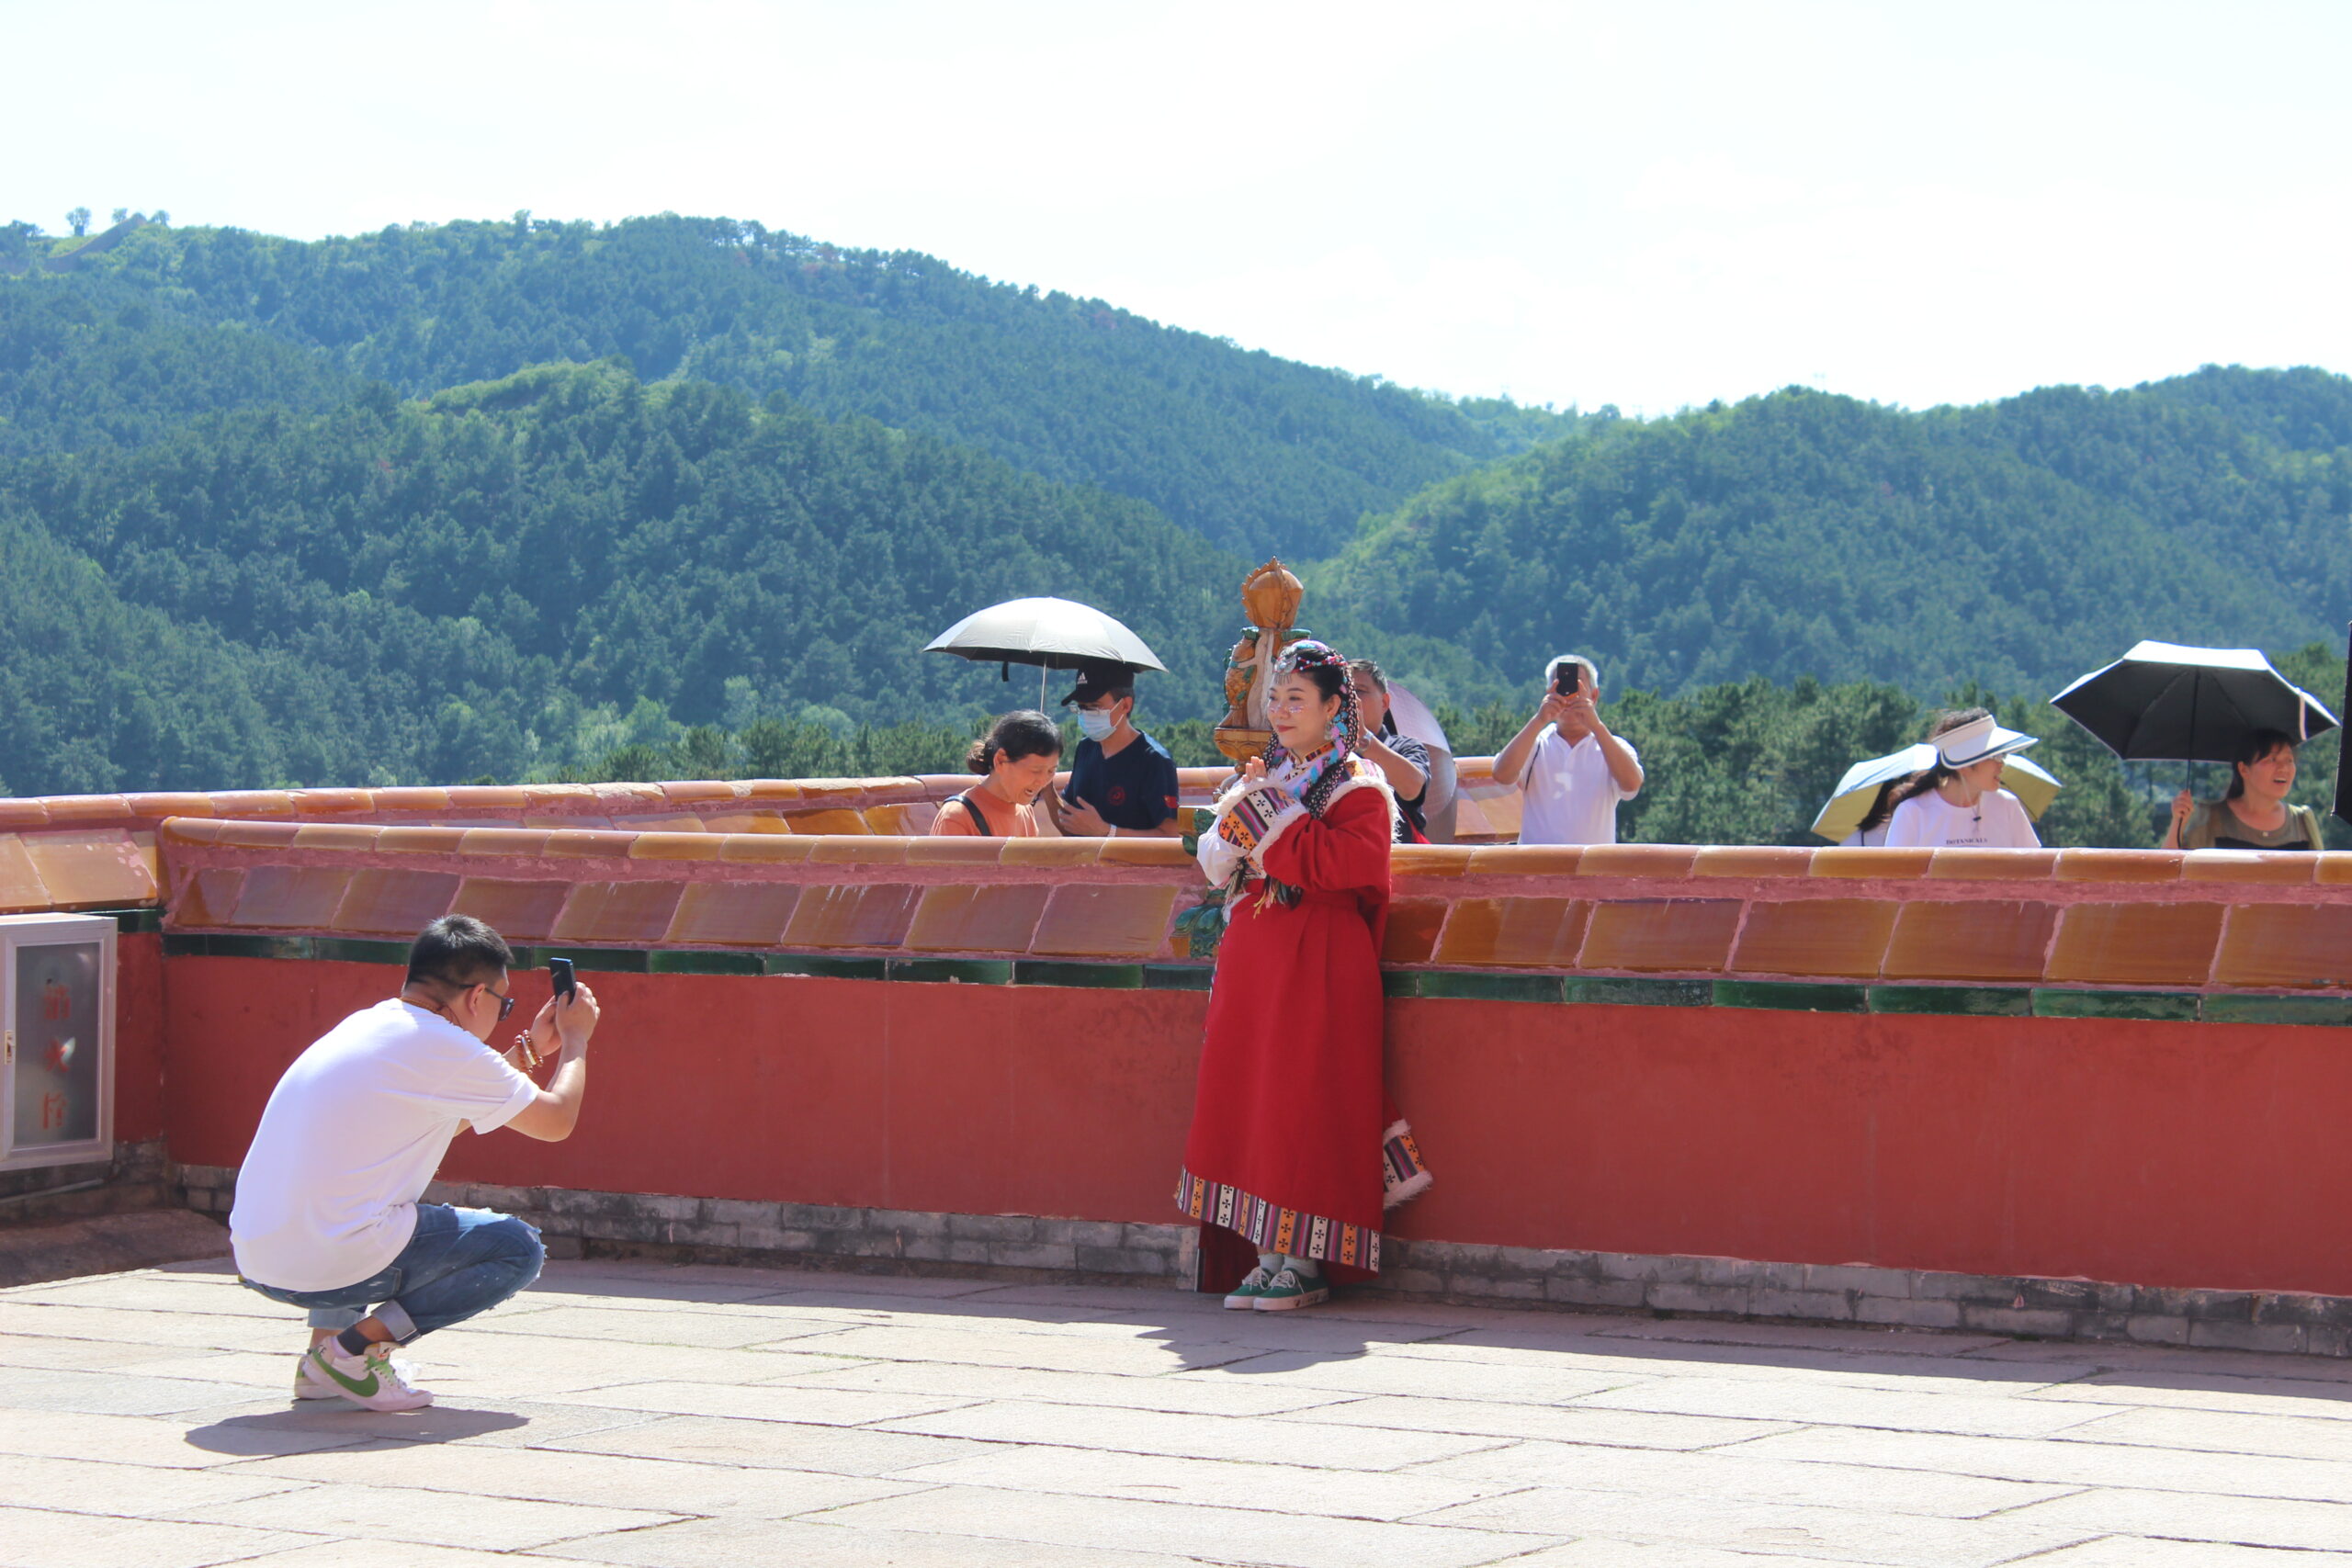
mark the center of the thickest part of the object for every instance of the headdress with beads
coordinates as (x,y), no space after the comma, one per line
(1329,769)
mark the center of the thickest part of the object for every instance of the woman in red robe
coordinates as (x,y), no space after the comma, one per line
(1295,1146)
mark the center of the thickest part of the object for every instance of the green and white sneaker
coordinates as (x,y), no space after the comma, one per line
(1253,1284)
(1287,1292)
(370,1381)
(304,1388)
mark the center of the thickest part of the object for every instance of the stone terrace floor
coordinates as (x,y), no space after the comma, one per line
(701,1417)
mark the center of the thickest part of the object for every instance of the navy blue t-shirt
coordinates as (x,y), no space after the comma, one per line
(1135,790)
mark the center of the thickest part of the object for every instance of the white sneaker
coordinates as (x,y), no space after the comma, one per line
(370,1381)
(304,1388)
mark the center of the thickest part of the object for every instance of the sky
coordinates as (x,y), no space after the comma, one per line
(1651,206)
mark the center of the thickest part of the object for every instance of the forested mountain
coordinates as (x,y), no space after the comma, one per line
(1252,452)
(513,499)
(2016,543)
(440,588)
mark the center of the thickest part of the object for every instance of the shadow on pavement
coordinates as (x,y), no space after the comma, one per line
(287,1432)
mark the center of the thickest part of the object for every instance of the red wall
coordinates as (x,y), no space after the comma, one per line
(138,1037)
(2163,1153)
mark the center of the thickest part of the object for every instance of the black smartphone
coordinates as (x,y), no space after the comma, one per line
(1566,678)
(560,977)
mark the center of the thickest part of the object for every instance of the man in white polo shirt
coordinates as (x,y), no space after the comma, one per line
(327,1217)
(1571,771)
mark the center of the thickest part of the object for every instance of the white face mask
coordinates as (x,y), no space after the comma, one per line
(1096,723)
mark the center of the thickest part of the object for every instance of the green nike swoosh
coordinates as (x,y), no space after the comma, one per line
(352,1385)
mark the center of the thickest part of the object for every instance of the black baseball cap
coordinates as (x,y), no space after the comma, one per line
(1096,681)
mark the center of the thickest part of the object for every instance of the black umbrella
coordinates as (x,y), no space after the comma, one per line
(2163,702)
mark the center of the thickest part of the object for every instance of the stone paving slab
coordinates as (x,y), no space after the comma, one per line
(635,1413)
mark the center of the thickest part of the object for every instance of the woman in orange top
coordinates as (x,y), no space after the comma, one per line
(1016,760)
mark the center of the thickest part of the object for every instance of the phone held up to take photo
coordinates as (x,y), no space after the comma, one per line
(1566,678)
(560,977)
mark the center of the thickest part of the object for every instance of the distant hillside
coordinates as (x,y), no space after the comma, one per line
(440,588)
(1799,534)
(1252,452)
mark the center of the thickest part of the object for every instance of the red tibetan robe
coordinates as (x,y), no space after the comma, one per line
(1294,1142)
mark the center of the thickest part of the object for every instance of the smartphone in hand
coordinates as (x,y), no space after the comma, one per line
(1568,677)
(560,977)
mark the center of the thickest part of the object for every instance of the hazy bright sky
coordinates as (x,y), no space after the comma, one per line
(1649,204)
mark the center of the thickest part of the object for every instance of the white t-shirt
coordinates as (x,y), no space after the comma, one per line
(1998,821)
(1570,797)
(352,1133)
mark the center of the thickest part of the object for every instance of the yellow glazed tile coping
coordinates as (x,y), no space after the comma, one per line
(89,870)
(291,897)
(209,897)
(1429,860)
(977,918)
(1661,934)
(833,822)
(2136,945)
(381,902)
(1637,860)
(635,913)
(351,837)
(1413,927)
(696,791)
(1758,860)
(333,802)
(1990,940)
(1525,860)
(765,849)
(421,840)
(1106,922)
(674,846)
(955,850)
(587,844)
(2118,865)
(1051,852)
(747,822)
(408,798)
(733,914)
(20,885)
(519,912)
(88,810)
(1870,862)
(860,852)
(1993,866)
(2276,868)
(860,915)
(2286,945)
(2335,865)
(770,791)
(251,803)
(530,842)
(1144,852)
(1831,938)
(188,803)
(1524,934)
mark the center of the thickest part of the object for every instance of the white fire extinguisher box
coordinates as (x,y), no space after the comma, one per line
(57,1005)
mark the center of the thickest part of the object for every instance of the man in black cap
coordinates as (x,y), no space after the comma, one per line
(1121,781)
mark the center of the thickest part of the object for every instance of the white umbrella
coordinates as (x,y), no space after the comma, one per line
(2033,787)
(1053,634)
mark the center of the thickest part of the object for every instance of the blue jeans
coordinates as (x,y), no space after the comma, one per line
(460,1262)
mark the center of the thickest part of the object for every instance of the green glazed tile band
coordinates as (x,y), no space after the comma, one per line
(1105,976)
(693,961)
(1615,991)
(2150,1006)
(1475,985)
(2330,1010)
(1444,985)
(952,971)
(1791,997)
(1977,1001)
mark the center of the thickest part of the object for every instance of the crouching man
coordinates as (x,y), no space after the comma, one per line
(327,1217)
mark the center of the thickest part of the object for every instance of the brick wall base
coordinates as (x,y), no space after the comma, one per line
(1024,1247)
(137,1178)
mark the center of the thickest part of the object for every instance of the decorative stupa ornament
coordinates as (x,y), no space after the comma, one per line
(1270,597)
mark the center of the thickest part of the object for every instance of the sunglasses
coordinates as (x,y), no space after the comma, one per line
(505,1002)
